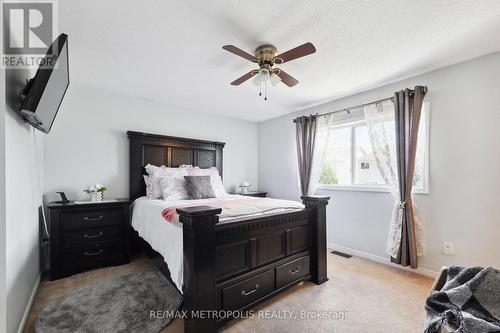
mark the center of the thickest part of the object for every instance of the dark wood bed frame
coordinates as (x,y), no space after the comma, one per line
(238,264)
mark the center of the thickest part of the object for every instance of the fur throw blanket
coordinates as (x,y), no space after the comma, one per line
(468,302)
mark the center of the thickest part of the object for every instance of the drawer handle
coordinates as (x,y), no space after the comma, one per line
(86,218)
(296,270)
(89,254)
(93,236)
(246,293)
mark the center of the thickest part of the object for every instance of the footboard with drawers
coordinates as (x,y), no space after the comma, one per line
(236,265)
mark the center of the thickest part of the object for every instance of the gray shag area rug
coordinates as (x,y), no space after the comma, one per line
(123,304)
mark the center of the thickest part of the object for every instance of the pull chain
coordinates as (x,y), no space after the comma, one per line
(260,88)
(265,90)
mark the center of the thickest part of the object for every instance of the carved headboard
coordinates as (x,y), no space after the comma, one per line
(169,151)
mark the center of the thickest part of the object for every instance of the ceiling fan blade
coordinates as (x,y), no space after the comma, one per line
(240,52)
(286,78)
(299,51)
(245,77)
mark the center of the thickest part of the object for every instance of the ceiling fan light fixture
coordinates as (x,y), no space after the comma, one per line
(256,80)
(264,74)
(275,79)
(261,77)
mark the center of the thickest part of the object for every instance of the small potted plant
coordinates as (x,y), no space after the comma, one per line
(244,187)
(96,192)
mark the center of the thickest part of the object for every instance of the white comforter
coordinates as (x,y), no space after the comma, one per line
(165,236)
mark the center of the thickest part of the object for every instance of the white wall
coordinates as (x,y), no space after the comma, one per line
(22,201)
(3,297)
(88,142)
(463,206)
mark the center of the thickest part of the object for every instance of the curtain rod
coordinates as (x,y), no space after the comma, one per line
(362,105)
(358,106)
(354,107)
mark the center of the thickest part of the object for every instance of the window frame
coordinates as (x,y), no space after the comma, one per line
(378,187)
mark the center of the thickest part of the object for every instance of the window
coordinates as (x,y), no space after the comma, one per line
(365,170)
(349,160)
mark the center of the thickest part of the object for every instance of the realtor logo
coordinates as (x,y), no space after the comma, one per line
(28,31)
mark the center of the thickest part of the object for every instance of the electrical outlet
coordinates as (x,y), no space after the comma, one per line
(448,248)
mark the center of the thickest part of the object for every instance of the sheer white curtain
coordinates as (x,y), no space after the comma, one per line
(381,129)
(324,128)
(325,122)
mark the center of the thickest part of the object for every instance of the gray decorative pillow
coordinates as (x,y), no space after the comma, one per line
(199,187)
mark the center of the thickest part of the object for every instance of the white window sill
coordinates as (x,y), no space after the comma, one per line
(361,188)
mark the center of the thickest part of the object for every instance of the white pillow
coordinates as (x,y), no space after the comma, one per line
(215,179)
(173,188)
(149,187)
(156,173)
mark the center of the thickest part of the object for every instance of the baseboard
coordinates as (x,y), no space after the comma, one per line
(382,260)
(29,305)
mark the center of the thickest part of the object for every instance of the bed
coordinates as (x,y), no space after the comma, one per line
(229,263)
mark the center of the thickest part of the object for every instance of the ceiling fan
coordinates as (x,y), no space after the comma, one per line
(266,57)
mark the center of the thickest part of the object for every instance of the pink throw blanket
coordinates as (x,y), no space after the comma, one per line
(170,213)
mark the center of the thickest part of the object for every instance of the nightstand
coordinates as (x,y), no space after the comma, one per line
(88,235)
(258,194)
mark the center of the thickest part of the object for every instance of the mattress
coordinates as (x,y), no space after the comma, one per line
(157,223)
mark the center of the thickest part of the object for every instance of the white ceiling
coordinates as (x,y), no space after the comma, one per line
(171,51)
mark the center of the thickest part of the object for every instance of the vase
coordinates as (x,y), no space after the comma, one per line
(96,196)
(244,189)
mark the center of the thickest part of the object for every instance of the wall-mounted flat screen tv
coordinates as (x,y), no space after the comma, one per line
(44,93)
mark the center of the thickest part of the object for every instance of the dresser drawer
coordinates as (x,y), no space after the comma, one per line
(90,218)
(243,293)
(91,252)
(91,235)
(292,271)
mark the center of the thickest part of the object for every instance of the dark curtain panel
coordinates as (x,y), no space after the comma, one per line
(305,130)
(408,108)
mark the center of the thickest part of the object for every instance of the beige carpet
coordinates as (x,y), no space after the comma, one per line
(375,297)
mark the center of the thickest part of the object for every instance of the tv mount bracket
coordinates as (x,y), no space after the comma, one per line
(26,89)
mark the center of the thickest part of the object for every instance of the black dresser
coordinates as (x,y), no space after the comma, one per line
(88,235)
